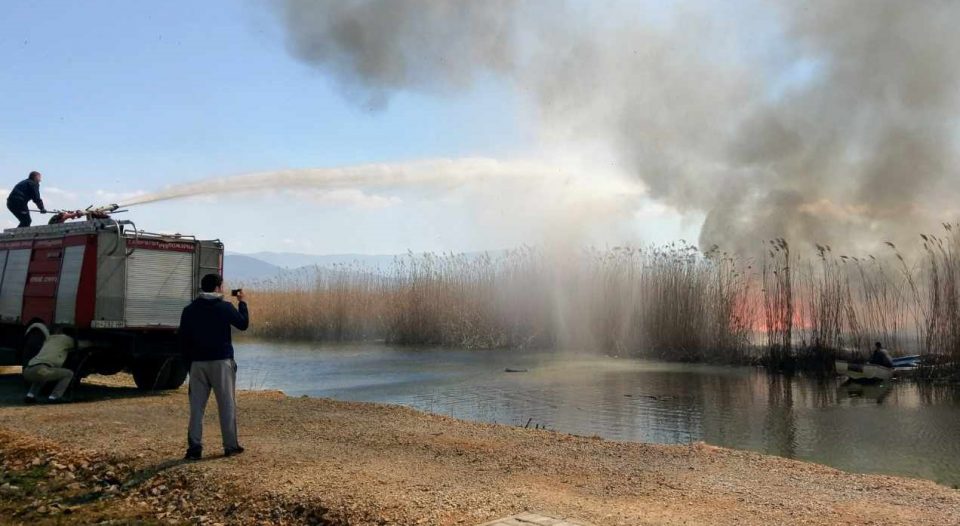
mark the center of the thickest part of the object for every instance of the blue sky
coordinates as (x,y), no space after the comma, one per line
(114,97)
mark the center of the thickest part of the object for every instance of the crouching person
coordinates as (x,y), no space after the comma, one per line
(48,366)
(207,347)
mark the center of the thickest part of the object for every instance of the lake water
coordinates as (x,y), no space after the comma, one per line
(896,428)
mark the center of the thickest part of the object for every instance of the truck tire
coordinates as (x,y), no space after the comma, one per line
(159,373)
(146,373)
(176,374)
(104,361)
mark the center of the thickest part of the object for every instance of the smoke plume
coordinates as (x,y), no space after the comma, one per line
(831,122)
(374,48)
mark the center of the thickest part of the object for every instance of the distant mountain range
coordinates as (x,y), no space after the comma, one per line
(244,269)
(293,260)
(261,266)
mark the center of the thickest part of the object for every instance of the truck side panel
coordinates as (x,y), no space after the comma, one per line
(69,284)
(209,260)
(14,281)
(43,277)
(111,277)
(160,284)
(87,286)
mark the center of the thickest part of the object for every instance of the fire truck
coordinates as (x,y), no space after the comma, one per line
(120,288)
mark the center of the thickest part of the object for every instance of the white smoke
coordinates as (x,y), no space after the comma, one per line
(831,122)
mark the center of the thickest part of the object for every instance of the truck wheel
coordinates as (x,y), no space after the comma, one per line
(159,373)
(104,361)
(176,374)
(146,373)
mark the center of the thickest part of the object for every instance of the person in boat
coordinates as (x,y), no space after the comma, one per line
(24,192)
(880,356)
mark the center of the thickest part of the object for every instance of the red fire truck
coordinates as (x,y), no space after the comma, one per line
(121,288)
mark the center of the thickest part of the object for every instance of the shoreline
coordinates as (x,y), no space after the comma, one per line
(313,460)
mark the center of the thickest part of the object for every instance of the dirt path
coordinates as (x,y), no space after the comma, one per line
(372,464)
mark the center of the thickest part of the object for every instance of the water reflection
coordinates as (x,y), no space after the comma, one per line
(780,426)
(895,428)
(872,392)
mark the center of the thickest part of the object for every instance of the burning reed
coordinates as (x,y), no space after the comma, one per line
(833,306)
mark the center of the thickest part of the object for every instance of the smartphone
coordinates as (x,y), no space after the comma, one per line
(234,292)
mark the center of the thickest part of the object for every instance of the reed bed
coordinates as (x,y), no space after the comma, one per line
(826,307)
(339,304)
(786,309)
(671,301)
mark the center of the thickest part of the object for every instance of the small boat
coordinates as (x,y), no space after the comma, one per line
(863,372)
(912,360)
(904,371)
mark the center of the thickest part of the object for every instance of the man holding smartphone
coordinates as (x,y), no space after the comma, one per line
(207,347)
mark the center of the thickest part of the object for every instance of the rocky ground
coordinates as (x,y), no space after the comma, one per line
(113,457)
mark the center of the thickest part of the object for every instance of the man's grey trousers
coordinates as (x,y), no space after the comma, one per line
(40,374)
(221,376)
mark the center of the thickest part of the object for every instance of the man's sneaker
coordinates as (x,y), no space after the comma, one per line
(193,453)
(231,451)
(29,399)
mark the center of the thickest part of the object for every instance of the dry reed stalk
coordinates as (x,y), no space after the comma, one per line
(672,302)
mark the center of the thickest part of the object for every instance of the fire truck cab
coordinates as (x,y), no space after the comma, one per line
(118,287)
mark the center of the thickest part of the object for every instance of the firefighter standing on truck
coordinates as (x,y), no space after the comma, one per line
(26,191)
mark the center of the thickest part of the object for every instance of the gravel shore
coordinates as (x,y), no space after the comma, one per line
(314,461)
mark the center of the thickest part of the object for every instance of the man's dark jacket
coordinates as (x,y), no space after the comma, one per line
(26,190)
(205,329)
(881,357)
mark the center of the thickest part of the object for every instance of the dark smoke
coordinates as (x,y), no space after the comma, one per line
(831,122)
(861,152)
(375,48)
